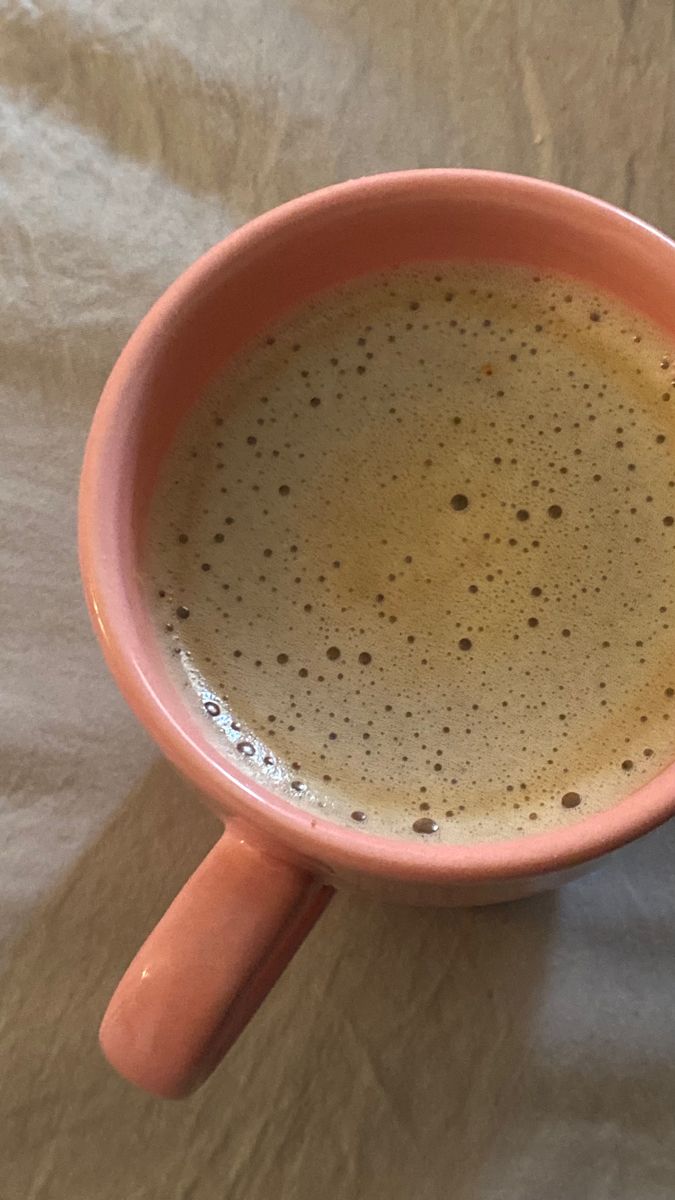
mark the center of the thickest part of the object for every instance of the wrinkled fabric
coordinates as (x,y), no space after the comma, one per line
(522,1052)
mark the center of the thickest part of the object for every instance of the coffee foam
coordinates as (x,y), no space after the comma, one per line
(413,555)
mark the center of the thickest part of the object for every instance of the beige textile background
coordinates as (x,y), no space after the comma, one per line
(526,1052)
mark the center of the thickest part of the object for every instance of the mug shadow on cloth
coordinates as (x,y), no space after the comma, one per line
(382,1008)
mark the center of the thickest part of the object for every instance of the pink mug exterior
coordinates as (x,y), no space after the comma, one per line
(224,940)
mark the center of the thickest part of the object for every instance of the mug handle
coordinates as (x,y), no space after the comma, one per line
(207,965)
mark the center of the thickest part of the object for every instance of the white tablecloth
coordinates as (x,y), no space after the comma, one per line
(521,1052)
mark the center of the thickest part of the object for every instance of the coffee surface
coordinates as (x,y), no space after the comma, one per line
(413,555)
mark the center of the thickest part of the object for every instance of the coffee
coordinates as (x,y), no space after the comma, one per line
(413,555)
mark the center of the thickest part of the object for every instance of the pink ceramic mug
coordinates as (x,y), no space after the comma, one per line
(224,940)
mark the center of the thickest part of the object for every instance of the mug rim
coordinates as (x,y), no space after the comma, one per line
(322,843)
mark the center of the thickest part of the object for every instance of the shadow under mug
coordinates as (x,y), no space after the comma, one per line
(224,940)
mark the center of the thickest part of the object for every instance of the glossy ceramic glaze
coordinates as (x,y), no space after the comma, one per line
(226,937)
